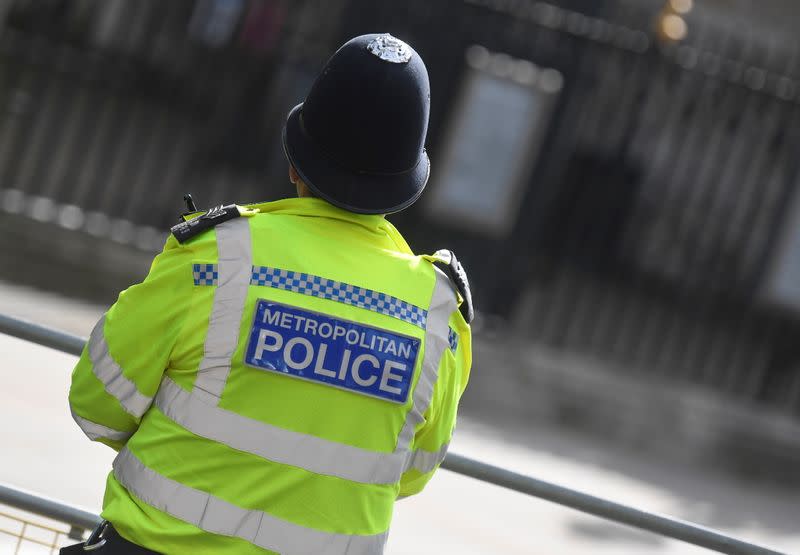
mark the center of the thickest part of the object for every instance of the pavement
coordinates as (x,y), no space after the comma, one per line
(42,450)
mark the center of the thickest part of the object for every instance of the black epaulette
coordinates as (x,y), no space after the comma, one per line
(190,228)
(455,271)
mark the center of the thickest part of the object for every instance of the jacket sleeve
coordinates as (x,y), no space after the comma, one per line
(432,440)
(121,366)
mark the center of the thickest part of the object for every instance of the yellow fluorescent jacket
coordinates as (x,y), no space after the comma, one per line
(219,455)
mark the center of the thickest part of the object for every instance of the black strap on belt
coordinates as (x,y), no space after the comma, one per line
(105,540)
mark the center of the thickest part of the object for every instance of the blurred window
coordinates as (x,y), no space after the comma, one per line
(214,21)
(62,19)
(262,25)
(782,280)
(492,142)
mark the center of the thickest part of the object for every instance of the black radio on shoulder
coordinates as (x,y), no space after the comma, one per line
(188,229)
(455,271)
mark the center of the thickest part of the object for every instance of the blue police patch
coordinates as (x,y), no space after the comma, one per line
(332,351)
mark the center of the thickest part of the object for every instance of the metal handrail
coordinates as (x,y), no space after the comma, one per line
(603,508)
(41,335)
(652,522)
(48,508)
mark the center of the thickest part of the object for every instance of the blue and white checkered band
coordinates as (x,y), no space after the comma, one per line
(205,274)
(315,286)
(452,336)
(338,291)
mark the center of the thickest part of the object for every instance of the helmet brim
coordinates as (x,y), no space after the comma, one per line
(360,192)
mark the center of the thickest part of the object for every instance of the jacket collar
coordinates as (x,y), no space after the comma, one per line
(318,208)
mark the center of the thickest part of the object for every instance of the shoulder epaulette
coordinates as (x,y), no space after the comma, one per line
(185,230)
(455,271)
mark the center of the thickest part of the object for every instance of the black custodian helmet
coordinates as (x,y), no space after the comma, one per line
(358,140)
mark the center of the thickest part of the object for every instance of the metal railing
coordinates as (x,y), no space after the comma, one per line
(24,534)
(77,518)
(597,506)
(28,531)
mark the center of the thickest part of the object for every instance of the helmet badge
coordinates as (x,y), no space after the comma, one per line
(390,49)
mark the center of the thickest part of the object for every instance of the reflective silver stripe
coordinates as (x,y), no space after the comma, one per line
(234,252)
(217,516)
(426,461)
(110,373)
(95,431)
(443,304)
(305,451)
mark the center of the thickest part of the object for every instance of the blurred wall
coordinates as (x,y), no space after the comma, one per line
(647,220)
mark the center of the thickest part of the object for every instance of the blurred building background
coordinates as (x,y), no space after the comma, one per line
(619,178)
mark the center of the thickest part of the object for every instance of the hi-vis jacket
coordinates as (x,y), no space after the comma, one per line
(274,385)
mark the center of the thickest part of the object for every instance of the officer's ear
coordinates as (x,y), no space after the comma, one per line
(294,177)
(302,189)
(299,186)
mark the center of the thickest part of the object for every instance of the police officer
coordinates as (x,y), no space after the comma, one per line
(288,370)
